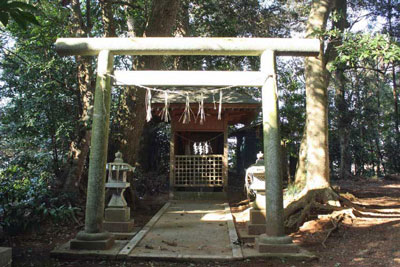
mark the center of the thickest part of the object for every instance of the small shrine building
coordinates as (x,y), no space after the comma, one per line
(199,141)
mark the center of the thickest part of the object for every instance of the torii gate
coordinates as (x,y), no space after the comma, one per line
(93,236)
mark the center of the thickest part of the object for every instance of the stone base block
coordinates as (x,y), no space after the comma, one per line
(277,248)
(5,257)
(257,216)
(276,244)
(117,214)
(92,245)
(119,227)
(256,229)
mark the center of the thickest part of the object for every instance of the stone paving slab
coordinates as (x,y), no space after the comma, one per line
(190,230)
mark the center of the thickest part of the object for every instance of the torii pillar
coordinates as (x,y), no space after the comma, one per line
(94,237)
(274,240)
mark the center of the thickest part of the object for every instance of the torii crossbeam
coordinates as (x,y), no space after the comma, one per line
(93,236)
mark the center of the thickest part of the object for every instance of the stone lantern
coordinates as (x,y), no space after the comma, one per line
(117,213)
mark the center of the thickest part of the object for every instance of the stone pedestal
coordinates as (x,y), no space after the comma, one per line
(276,244)
(118,220)
(92,241)
(257,223)
(257,216)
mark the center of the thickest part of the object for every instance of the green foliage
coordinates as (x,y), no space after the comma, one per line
(360,49)
(20,12)
(26,200)
(38,87)
(292,103)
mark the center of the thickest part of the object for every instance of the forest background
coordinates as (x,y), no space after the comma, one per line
(46,100)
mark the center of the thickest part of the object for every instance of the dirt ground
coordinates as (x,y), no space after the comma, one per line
(370,239)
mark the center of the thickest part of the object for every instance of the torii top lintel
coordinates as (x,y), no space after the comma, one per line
(188,46)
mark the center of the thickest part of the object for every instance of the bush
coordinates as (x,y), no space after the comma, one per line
(26,200)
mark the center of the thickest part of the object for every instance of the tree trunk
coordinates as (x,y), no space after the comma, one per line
(317,103)
(301,172)
(344,118)
(395,90)
(107,18)
(161,24)
(79,147)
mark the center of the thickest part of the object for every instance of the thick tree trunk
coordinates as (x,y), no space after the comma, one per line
(317,103)
(317,193)
(79,147)
(161,24)
(301,172)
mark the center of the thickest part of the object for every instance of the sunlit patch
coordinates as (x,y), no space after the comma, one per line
(396,260)
(194,211)
(214,216)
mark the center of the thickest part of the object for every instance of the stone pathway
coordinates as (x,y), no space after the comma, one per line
(190,230)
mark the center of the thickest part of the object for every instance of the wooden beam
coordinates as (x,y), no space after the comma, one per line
(188,46)
(190,78)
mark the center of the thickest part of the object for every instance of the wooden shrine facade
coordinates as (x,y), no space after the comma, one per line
(190,168)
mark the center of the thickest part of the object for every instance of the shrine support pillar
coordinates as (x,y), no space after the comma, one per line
(93,236)
(275,235)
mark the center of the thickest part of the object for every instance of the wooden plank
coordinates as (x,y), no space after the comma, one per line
(189,78)
(188,46)
(233,236)
(142,233)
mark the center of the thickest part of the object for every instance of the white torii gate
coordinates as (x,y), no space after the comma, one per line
(93,236)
